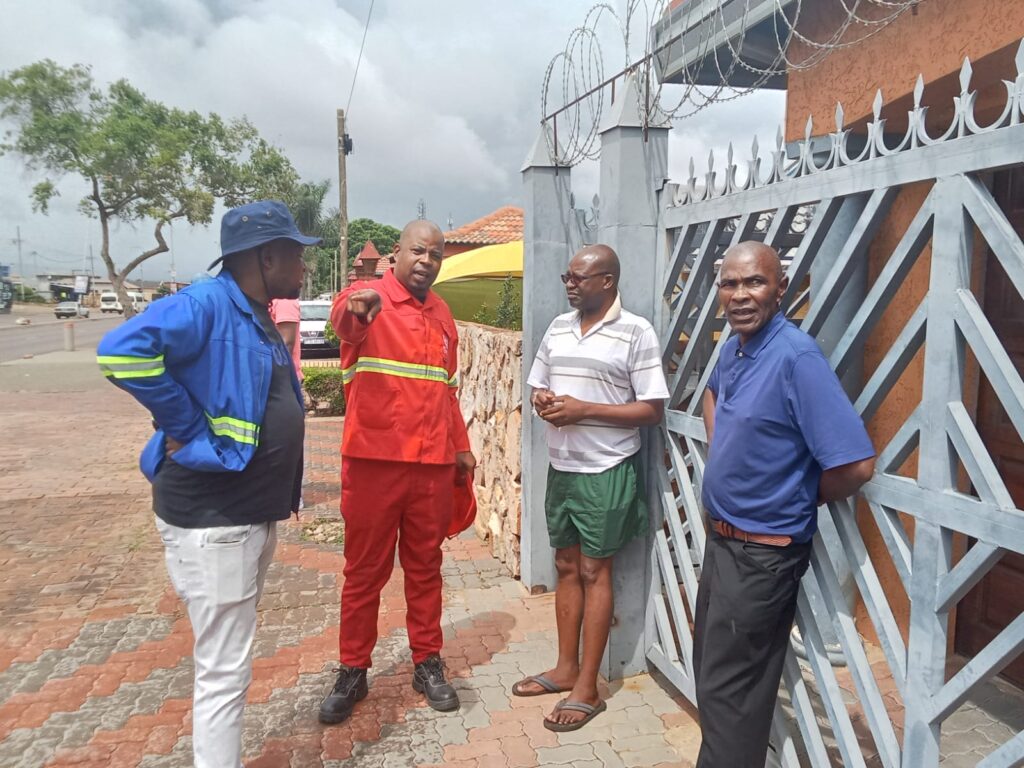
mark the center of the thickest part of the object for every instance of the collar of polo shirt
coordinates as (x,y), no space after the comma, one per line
(762,337)
(614,313)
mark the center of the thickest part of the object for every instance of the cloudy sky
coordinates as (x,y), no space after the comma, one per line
(446,105)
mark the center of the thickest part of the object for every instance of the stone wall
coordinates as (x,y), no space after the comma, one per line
(490,374)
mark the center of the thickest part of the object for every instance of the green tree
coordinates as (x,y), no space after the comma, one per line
(306,202)
(140,160)
(483,315)
(383,236)
(509,312)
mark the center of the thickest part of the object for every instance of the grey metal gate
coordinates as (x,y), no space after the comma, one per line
(822,211)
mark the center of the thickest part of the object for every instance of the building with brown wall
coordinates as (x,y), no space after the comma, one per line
(369,264)
(932,41)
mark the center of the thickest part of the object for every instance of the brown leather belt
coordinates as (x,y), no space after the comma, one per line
(723,528)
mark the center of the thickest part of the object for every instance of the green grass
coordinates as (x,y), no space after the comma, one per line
(466,297)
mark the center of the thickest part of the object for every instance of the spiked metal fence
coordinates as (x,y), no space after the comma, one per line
(822,210)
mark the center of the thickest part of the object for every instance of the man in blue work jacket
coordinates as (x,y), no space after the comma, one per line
(783,438)
(226,458)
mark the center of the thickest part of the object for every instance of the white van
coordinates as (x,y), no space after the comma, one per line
(110,303)
(313,322)
(139,301)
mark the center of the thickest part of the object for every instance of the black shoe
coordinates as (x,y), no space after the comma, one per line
(429,680)
(349,688)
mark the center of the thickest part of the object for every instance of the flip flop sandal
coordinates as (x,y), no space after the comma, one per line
(579,706)
(541,680)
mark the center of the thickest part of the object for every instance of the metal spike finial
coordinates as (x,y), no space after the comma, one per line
(778,138)
(754,147)
(1019,60)
(876,107)
(966,71)
(711,160)
(918,91)
(728,155)
(692,168)
(840,116)
(809,128)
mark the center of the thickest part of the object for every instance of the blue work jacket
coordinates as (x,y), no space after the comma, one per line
(200,362)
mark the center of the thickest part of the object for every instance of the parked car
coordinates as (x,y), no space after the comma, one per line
(314,316)
(70,309)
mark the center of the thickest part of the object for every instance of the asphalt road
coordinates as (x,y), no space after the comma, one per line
(47,335)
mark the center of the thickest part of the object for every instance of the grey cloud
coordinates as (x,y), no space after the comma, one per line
(446,106)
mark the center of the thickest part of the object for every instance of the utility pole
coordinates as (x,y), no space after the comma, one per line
(21,264)
(344,148)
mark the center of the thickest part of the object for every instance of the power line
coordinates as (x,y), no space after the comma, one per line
(56,261)
(359,59)
(71,257)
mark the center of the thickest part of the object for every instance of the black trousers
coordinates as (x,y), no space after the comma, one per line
(745,607)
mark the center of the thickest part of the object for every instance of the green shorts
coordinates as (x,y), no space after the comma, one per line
(601,512)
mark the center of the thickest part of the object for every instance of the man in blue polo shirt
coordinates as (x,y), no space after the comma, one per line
(783,438)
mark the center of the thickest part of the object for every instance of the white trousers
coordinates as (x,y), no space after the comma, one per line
(218,573)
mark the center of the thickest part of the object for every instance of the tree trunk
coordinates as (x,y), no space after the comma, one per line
(117,279)
(161,247)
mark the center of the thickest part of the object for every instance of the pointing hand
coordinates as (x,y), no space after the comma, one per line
(364,304)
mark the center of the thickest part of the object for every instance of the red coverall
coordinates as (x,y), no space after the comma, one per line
(403,428)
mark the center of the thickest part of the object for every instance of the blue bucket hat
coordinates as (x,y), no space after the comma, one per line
(252,225)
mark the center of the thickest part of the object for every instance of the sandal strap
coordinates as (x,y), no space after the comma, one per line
(577,706)
(544,682)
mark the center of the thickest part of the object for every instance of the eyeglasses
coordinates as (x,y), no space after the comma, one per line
(569,277)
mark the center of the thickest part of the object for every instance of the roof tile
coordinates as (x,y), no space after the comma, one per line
(505,225)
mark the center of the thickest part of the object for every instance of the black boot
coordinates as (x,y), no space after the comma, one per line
(349,688)
(429,680)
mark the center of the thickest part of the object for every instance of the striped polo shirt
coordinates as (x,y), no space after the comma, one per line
(617,361)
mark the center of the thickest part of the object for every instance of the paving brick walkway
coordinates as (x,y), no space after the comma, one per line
(95,664)
(95,649)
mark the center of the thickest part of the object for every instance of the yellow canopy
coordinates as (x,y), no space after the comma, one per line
(490,261)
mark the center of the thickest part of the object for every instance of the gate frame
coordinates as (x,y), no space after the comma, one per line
(663,229)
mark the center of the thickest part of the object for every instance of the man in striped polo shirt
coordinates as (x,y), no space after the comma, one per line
(597,378)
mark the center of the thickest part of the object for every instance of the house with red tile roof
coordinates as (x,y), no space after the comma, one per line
(504,225)
(369,264)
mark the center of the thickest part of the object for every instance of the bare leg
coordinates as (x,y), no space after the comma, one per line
(568,619)
(596,576)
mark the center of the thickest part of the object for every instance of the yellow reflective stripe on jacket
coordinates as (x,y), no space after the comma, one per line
(126,367)
(238,430)
(398,368)
(454,380)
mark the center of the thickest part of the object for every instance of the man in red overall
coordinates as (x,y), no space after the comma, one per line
(404,443)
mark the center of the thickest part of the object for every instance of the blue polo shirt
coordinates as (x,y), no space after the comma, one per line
(781,418)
